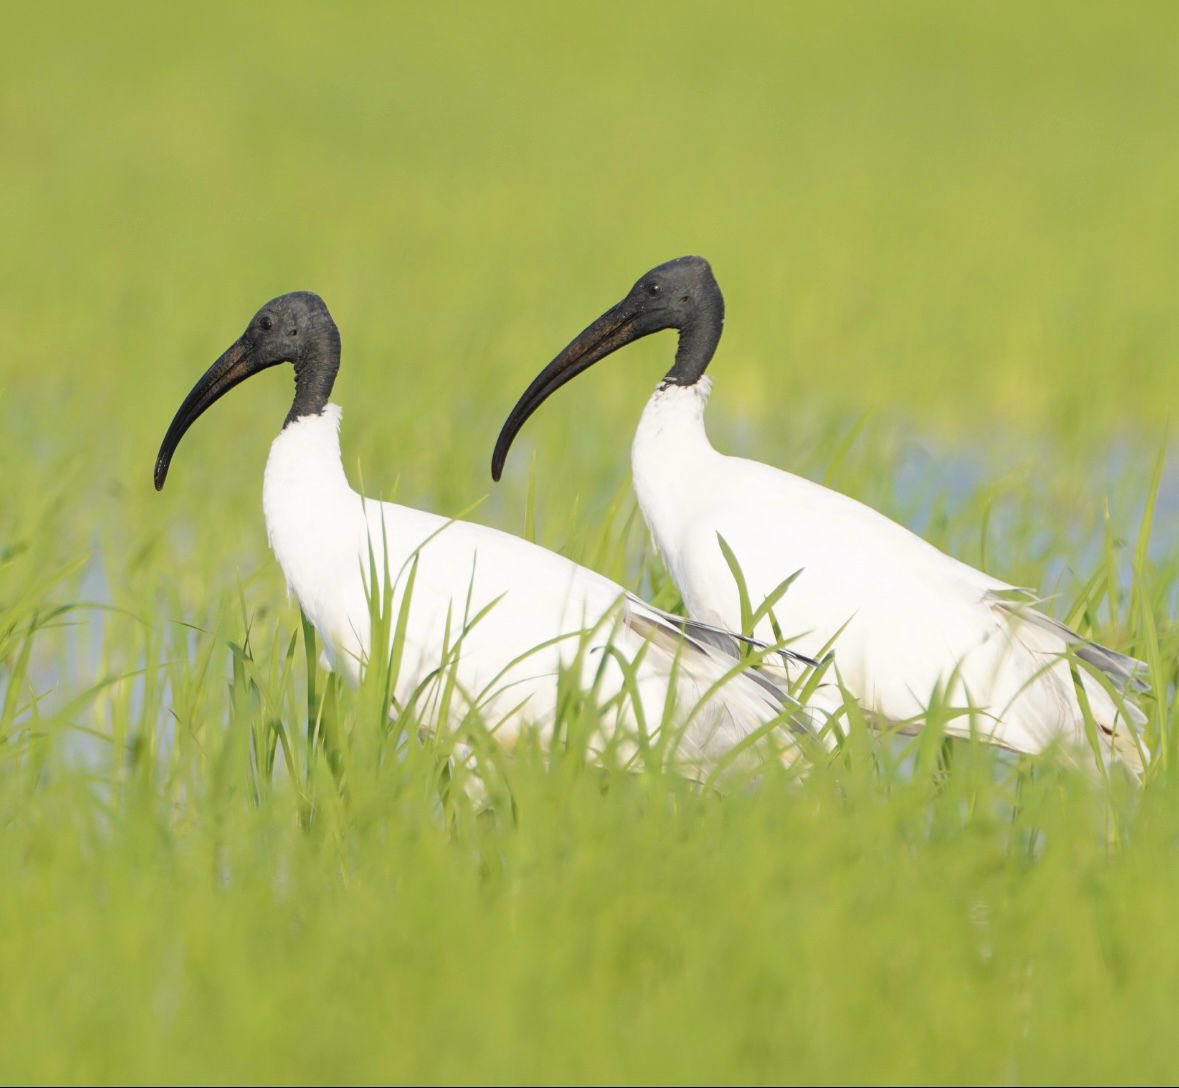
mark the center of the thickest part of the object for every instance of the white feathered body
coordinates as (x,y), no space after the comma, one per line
(324,535)
(904,619)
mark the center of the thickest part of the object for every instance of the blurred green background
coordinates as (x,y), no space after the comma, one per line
(949,246)
(960,217)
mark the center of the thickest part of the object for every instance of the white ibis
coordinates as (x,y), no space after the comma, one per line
(505,615)
(908,623)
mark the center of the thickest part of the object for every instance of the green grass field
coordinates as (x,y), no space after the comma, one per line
(948,240)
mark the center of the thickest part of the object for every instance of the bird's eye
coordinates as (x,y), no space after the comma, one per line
(266,323)
(293,331)
(652,288)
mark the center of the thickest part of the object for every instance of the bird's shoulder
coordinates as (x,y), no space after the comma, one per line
(451,544)
(778,522)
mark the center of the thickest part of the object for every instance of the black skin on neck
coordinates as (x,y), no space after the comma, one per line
(700,328)
(316,365)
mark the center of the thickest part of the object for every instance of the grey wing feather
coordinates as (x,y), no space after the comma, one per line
(672,632)
(1122,669)
(728,642)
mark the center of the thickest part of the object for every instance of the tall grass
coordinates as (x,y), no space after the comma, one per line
(947,242)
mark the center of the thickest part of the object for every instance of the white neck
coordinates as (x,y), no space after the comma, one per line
(306,455)
(312,515)
(671,429)
(669,451)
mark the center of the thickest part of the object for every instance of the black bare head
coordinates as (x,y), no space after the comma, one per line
(294,328)
(682,294)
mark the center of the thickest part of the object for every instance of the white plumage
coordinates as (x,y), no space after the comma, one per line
(905,619)
(907,622)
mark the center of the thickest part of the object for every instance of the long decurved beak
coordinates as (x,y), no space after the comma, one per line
(616,328)
(232,368)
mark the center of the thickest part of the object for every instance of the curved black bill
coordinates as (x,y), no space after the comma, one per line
(231,369)
(616,328)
